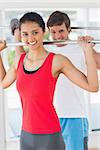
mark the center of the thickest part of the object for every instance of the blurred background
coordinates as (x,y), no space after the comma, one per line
(82,13)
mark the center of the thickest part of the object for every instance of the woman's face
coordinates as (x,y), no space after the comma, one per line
(32,34)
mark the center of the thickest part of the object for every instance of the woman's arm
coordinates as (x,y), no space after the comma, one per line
(97,59)
(6,78)
(19,49)
(89,82)
(96,54)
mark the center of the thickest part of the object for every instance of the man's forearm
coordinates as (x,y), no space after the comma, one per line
(19,49)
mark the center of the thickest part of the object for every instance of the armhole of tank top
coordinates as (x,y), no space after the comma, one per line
(21,58)
(54,78)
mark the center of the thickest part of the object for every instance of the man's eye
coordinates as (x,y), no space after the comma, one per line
(61,31)
(53,32)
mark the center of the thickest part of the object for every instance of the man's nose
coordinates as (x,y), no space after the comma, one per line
(57,36)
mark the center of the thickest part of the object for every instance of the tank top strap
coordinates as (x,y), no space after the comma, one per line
(48,65)
(49,58)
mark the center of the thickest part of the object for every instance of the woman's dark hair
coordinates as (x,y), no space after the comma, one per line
(34,17)
(58,18)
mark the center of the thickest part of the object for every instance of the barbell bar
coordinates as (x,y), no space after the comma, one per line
(76,28)
(68,42)
(54,42)
(15,44)
(3,27)
(86,28)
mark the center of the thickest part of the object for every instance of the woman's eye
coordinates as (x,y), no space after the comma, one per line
(25,34)
(34,33)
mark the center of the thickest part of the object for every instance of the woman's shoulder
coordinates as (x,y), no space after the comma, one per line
(60,60)
(60,56)
(18,59)
(20,56)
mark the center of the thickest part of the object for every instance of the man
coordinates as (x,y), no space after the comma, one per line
(70,103)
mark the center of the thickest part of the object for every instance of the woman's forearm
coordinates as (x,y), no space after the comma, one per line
(2,70)
(92,76)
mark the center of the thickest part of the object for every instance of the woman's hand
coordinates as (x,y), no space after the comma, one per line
(2,45)
(85,42)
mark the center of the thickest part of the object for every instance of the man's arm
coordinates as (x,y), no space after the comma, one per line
(19,49)
(14,27)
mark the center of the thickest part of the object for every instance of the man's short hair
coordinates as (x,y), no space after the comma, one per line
(58,18)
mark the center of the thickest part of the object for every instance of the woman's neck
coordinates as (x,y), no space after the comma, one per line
(37,54)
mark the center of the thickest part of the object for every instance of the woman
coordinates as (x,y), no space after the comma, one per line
(36,74)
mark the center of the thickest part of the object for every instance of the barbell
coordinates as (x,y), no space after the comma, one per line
(86,28)
(76,28)
(14,24)
(53,42)
(3,27)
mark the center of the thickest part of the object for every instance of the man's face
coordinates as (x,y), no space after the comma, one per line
(59,32)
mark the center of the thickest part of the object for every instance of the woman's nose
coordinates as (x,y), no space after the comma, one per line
(31,38)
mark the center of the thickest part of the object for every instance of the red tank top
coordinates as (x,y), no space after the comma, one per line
(36,92)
